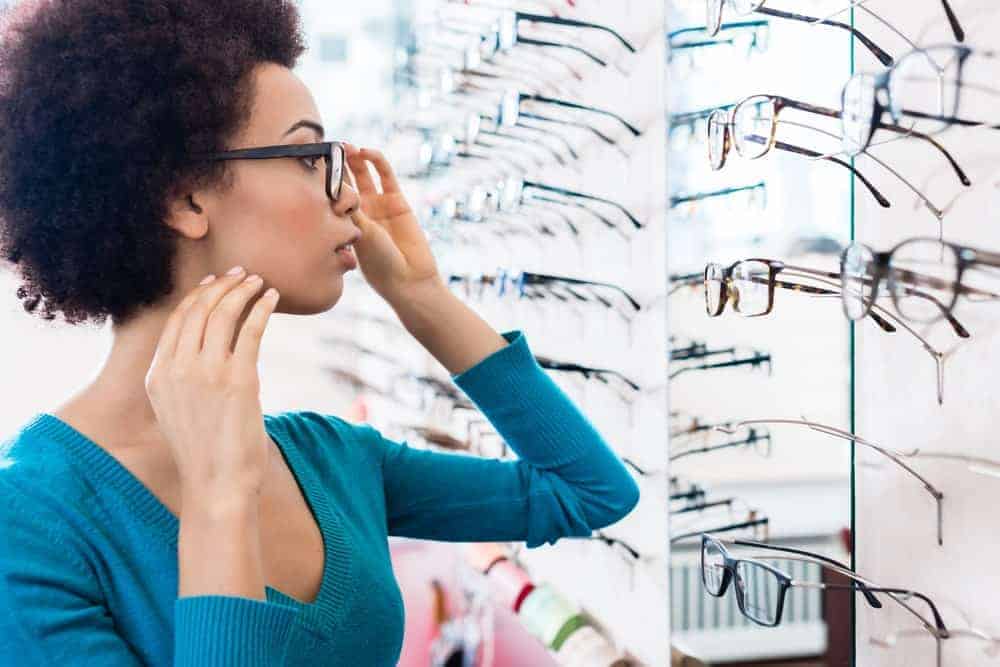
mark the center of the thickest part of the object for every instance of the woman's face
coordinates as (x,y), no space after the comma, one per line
(276,220)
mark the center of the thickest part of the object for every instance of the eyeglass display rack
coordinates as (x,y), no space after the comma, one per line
(916,521)
(499,200)
(784,207)
(894,398)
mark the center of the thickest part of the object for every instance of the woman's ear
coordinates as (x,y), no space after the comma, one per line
(186,217)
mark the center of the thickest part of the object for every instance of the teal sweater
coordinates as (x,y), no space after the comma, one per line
(88,555)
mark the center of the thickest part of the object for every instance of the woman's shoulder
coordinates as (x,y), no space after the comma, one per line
(323,435)
(32,457)
(40,488)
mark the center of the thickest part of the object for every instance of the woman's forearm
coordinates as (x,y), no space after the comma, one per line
(218,549)
(451,331)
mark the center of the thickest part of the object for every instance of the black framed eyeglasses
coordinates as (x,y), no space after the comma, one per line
(761,588)
(332,153)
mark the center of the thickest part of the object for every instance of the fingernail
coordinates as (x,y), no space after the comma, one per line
(236,270)
(271,293)
(251,279)
(207,279)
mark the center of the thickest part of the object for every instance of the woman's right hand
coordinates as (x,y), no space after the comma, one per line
(205,391)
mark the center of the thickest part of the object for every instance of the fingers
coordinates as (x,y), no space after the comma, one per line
(205,298)
(385,173)
(358,160)
(167,344)
(247,347)
(222,322)
(362,174)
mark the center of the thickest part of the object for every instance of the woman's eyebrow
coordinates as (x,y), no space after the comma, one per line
(306,123)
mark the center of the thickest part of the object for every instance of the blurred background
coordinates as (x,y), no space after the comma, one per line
(566,160)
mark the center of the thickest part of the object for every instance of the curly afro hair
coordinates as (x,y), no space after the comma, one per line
(100,102)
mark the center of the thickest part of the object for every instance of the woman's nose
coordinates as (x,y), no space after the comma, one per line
(348,201)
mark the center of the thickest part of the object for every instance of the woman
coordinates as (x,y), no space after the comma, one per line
(158,517)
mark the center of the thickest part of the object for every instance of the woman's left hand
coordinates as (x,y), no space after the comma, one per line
(393,252)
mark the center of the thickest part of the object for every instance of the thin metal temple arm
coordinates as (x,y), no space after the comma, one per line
(893,456)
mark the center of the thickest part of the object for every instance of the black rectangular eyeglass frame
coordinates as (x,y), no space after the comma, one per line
(332,152)
(785,582)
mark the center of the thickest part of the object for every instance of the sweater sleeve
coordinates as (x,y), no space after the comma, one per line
(52,610)
(566,482)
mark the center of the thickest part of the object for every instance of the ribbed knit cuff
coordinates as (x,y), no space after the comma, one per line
(527,406)
(230,631)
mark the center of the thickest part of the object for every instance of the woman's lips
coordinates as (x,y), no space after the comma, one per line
(345,253)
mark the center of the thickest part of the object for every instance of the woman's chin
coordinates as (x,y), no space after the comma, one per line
(313,303)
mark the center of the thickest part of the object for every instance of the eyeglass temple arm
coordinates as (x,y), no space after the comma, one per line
(755,360)
(835,564)
(917,278)
(725,192)
(607,222)
(728,502)
(685,495)
(573,105)
(809,289)
(883,202)
(951,120)
(715,448)
(685,354)
(836,432)
(555,20)
(586,371)
(940,632)
(956,27)
(611,541)
(882,56)
(833,113)
(571,193)
(527,41)
(753,523)
(733,25)
(545,277)
(701,44)
(555,135)
(569,123)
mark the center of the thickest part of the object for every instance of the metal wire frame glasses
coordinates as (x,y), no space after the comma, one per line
(892,455)
(332,153)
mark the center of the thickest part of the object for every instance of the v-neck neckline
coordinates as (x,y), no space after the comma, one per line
(324,613)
